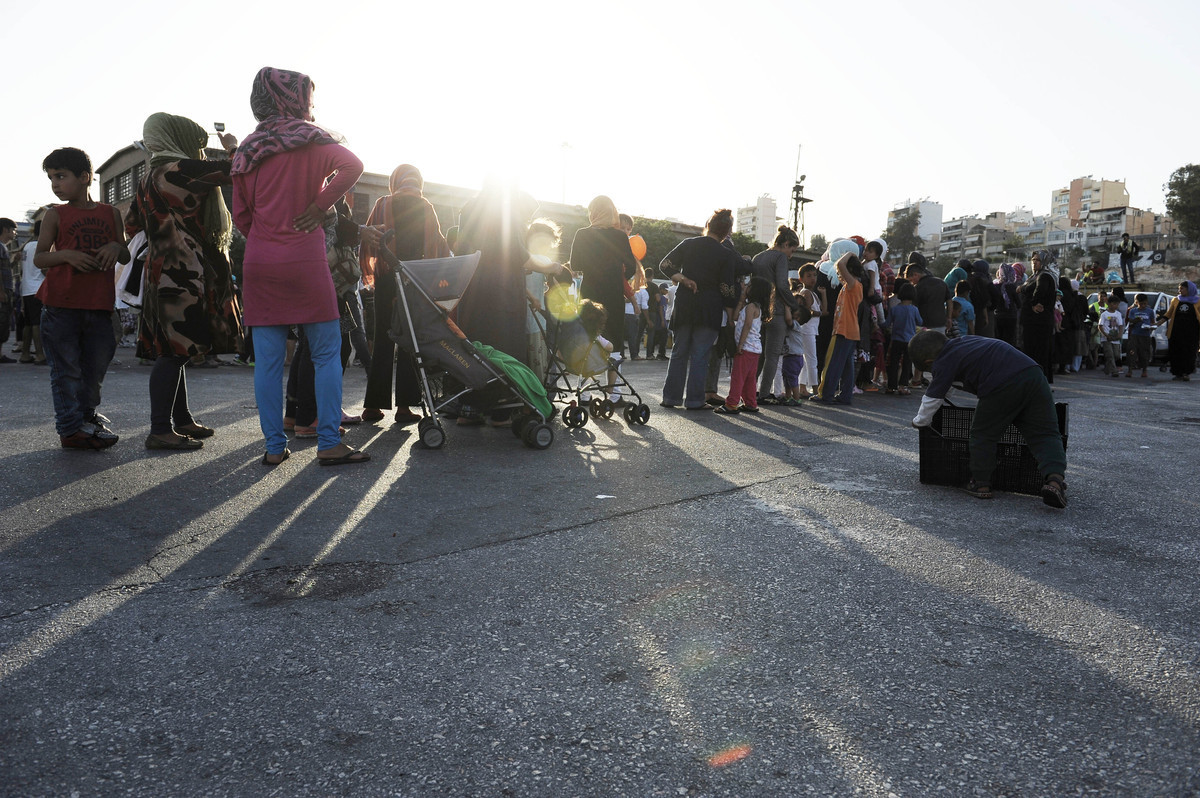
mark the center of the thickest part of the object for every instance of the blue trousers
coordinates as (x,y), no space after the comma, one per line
(688,366)
(839,371)
(79,345)
(270,351)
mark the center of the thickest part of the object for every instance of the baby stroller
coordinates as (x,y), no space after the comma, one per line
(450,366)
(579,365)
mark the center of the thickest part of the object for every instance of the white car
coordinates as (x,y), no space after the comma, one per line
(1158,302)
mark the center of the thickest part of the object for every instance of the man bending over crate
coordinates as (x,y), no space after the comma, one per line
(1012,389)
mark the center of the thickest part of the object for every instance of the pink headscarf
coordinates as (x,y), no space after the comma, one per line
(282,103)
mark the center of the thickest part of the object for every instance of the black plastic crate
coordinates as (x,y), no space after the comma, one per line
(946,460)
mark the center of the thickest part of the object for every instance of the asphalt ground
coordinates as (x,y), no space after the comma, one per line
(765,605)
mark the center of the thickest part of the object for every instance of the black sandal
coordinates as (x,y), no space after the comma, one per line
(1054,493)
(979,491)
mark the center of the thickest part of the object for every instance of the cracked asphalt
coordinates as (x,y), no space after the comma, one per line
(767,605)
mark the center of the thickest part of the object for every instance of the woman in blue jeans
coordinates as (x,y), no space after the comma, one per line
(703,268)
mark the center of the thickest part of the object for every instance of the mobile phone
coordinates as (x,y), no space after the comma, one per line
(219,126)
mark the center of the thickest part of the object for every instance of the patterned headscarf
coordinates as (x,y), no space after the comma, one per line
(1007,276)
(281,101)
(1189,294)
(171,138)
(1049,265)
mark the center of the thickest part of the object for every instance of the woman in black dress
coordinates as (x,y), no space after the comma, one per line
(1038,295)
(602,255)
(1183,331)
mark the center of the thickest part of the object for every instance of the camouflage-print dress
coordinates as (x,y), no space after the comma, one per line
(188,304)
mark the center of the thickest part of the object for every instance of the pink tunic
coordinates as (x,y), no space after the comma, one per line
(286,274)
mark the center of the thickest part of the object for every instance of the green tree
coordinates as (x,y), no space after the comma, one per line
(747,245)
(1183,200)
(1014,247)
(901,233)
(660,240)
(941,265)
(818,243)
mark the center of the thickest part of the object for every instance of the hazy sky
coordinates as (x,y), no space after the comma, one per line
(671,108)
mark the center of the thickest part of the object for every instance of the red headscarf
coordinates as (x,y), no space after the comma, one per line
(406,181)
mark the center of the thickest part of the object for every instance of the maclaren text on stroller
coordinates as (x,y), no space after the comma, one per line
(578,365)
(450,366)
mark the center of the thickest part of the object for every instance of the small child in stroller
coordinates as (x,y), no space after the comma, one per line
(582,348)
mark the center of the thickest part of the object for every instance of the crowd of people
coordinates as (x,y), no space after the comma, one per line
(842,326)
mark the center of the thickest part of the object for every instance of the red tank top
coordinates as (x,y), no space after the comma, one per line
(86,230)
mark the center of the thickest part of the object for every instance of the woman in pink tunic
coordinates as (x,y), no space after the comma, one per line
(279,204)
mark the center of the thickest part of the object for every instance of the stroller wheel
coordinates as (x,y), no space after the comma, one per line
(521,422)
(642,415)
(574,417)
(538,435)
(629,412)
(607,409)
(597,408)
(432,436)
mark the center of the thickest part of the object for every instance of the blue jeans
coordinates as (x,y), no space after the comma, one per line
(839,371)
(689,364)
(79,345)
(270,351)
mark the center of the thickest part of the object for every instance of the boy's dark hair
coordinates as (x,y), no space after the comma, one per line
(807,268)
(625,218)
(73,159)
(905,290)
(925,346)
(7,224)
(1141,298)
(874,246)
(962,288)
(720,224)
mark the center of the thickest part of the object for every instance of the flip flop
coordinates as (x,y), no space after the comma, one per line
(353,456)
(285,455)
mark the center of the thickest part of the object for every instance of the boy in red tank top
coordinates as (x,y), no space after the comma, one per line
(80,243)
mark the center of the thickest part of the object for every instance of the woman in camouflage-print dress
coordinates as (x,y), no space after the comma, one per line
(189,307)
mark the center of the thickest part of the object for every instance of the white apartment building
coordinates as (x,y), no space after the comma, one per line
(759,220)
(929,218)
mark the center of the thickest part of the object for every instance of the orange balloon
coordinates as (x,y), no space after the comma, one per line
(638,245)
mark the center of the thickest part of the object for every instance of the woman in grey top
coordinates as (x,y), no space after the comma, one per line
(772,265)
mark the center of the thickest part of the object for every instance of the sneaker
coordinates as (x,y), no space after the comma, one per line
(237,361)
(99,418)
(6,359)
(84,438)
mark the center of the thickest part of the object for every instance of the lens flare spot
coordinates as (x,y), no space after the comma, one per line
(561,303)
(735,753)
